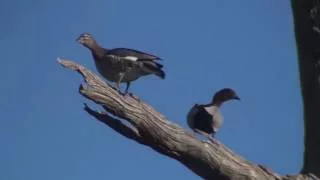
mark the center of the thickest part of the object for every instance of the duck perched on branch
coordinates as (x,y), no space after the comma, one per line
(121,65)
(206,119)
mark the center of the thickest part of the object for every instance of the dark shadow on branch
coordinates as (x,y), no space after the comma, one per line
(115,124)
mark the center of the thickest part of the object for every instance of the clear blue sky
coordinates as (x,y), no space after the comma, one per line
(207,45)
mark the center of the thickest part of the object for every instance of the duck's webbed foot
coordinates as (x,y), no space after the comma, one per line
(116,87)
(209,136)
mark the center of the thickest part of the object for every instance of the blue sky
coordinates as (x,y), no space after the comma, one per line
(249,46)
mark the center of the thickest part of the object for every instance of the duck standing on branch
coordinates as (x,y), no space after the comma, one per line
(206,119)
(121,65)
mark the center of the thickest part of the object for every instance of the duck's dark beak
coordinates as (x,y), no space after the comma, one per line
(79,40)
(237,98)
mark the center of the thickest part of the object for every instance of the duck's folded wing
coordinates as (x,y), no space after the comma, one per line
(153,67)
(203,120)
(132,54)
(191,116)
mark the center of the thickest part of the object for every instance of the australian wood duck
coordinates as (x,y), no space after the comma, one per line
(206,119)
(121,65)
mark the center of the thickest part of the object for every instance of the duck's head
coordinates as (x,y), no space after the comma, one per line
(224,95)
(86,40)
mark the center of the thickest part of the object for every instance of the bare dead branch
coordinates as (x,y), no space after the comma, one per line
(115,124)
(209,161)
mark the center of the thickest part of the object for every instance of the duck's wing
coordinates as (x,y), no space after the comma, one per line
(203,120)
(191,116)
(132,54)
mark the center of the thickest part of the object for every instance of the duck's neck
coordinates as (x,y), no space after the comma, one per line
(97,50)
(216,103)
(211,108)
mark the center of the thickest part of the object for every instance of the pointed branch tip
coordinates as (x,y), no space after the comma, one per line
(59,60)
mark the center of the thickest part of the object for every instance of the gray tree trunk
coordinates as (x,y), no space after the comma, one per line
(306,21)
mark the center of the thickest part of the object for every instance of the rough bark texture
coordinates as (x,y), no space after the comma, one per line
(307,20)
(150,128)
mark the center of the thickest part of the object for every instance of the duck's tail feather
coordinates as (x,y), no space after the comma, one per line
(155,68)
(161,74)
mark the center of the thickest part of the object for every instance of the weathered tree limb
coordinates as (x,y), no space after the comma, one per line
(307,20)
(115,124)
(209,161)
